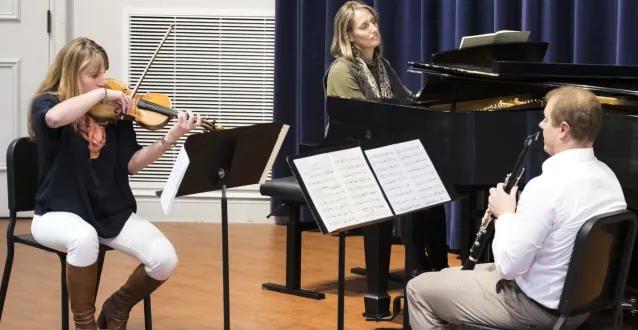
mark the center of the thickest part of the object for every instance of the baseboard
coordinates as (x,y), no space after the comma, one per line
(245,205)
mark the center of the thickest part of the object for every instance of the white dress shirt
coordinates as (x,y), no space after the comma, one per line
(534,245)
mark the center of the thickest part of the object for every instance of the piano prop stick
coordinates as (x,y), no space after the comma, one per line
(224,159)
(347,187)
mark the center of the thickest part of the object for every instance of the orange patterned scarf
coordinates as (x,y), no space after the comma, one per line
(94,133)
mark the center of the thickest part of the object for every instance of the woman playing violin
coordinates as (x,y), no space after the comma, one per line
(84,197)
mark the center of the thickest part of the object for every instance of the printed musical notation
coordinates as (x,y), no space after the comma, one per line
(407,175)
(342,188)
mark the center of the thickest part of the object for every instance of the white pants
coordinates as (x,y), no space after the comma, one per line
(67,232)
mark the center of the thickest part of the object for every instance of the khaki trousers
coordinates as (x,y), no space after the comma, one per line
(445,299)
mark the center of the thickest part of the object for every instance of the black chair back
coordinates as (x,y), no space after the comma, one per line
(599,264)
(22,174)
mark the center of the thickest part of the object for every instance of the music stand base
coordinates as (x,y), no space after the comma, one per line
(295,292)
(391,276)
(378,317)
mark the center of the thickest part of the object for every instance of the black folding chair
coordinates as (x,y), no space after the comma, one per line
(597,272)
(22,179)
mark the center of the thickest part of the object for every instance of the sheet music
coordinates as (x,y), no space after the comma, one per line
(394,179)
(407,176)
(342,188)
(420,169)
(365,193)
(174,180)
(273,154)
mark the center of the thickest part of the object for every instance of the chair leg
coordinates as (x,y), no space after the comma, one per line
(148,321)
(65,294)
(100,264)
(5,276)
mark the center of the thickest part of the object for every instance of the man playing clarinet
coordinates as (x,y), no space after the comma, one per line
(533,241)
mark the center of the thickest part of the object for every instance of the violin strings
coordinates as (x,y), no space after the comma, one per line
(146,105)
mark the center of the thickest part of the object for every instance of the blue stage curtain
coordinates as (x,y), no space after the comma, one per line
(578,31)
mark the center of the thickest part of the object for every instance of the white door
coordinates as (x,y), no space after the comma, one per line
(24,60)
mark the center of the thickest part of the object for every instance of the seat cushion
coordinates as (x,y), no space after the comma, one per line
(27,239)
(30,241)
(285,189)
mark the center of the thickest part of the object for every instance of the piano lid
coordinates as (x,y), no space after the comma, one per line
(501,69)
(485,55)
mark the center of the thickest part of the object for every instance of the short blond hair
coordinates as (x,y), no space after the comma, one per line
(579,108)
(344,19)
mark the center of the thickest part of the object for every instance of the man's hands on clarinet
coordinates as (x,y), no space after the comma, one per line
(500,202)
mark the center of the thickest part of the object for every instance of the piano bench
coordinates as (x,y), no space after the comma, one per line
(287,191)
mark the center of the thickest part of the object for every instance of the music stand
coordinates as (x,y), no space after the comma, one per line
(348,187)
(227,159)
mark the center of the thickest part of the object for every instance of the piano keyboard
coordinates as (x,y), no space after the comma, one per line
(519,102)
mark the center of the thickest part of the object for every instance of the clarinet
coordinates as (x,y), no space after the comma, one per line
(487,227)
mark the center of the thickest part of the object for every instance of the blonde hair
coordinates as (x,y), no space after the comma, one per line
(343,24)
(63,78)
(579,108)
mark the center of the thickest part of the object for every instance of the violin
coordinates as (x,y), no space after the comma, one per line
(151,110)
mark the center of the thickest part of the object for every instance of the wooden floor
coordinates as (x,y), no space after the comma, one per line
(192,298)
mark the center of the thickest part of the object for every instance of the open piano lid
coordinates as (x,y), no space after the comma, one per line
(522,62)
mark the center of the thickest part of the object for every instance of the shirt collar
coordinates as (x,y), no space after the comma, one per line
(570,156)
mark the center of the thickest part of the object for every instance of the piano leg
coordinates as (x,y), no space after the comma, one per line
(429,234)
(377,240)
(419,230)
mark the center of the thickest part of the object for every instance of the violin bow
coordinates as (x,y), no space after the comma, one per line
(170,27)
(205,123)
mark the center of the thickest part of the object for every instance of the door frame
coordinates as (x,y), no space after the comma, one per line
(61,12)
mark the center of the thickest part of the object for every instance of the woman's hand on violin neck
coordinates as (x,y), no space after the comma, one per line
(117,99)
(186,121)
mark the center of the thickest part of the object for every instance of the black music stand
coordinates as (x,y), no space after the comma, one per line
(371,177)
(226,159)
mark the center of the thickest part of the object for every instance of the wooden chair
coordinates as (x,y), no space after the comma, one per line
(22,179)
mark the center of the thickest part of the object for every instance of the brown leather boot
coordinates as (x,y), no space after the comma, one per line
(80,282)
(116,309)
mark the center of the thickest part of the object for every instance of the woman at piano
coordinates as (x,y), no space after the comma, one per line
(360,71)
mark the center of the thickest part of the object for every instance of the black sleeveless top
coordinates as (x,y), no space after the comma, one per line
(96,190)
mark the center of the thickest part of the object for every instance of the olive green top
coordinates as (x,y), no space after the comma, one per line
(342,82)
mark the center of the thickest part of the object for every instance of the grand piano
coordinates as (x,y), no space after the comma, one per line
(472,115)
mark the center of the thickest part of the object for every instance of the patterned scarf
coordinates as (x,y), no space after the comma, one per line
(92,132)
(367,82)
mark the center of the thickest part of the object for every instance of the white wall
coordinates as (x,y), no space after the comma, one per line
(103,22)
(24,56)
